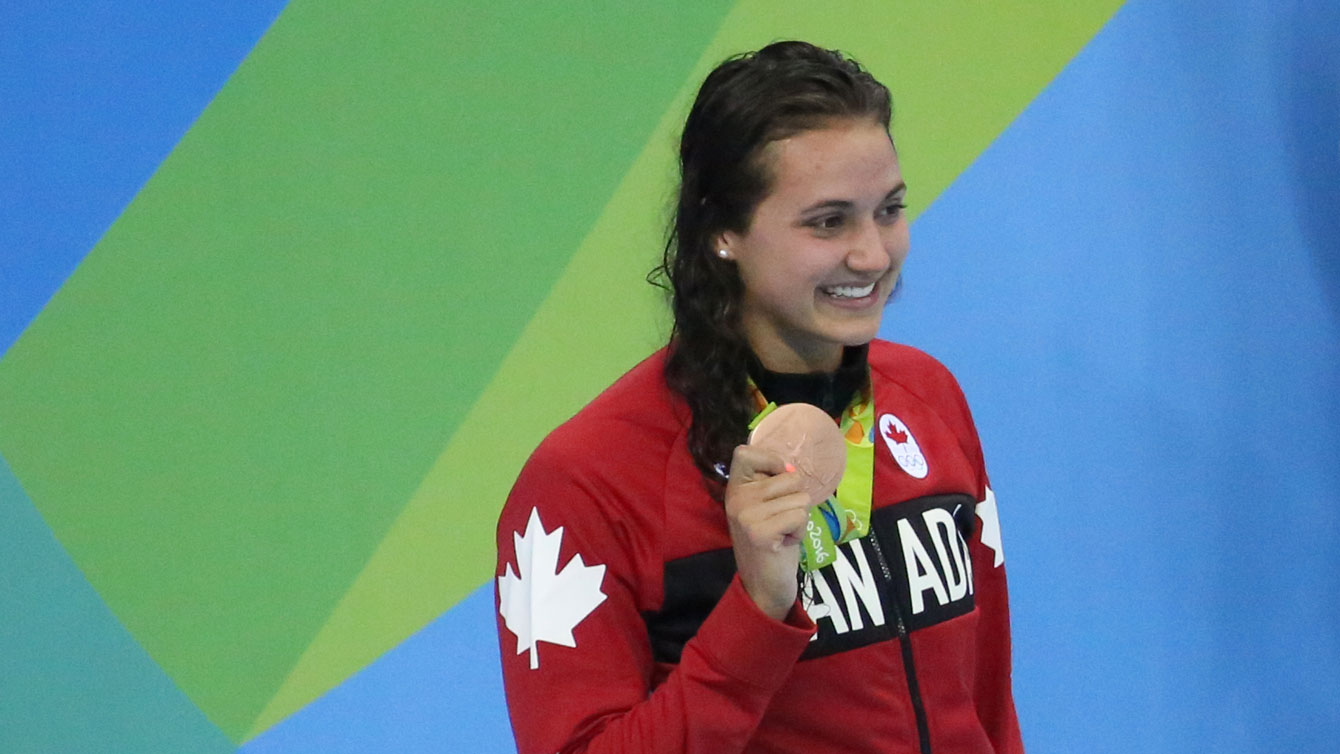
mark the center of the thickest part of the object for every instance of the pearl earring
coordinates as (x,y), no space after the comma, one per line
(723,253)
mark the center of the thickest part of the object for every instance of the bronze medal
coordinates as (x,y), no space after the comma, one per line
(808,439)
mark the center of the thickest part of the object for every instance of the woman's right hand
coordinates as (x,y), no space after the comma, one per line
(767,510)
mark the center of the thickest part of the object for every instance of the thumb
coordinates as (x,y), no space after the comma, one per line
(749,463)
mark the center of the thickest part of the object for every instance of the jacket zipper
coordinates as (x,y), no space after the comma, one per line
(909,663)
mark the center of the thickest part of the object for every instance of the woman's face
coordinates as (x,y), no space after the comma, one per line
(823,248)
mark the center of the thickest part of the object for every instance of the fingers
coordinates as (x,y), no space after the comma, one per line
(762,489)
(766,474)
(773,523)
(767,509)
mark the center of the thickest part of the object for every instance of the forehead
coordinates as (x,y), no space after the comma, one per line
(846,160)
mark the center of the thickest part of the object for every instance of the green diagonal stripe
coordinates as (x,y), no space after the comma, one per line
(230,401)
(961,71)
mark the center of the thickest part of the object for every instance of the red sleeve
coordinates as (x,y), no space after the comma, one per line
(577,663)
(993,693)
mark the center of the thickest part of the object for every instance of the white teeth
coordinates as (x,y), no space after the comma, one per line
(849,291)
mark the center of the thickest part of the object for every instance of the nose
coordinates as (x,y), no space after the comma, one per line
(869,250)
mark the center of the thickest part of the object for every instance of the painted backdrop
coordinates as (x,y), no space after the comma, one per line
(289,290)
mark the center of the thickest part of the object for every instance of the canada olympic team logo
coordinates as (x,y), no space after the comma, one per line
(903,446)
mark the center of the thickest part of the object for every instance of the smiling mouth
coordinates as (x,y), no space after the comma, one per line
(849,291)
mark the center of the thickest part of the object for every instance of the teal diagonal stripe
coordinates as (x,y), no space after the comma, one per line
(71,678)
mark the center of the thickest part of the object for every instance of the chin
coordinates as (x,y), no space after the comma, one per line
(853,336)
(860,341)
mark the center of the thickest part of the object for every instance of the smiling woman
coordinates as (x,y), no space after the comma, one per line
(822,250)
(693,591)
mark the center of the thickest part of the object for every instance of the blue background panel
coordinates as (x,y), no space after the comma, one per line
(93,96)
(1136,285)
(440,690)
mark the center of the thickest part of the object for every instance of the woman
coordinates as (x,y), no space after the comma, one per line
(649,596)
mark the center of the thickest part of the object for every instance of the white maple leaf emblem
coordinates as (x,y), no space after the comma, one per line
(543,603)
(986,510)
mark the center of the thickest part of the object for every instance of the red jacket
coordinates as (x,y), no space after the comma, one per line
(623,628)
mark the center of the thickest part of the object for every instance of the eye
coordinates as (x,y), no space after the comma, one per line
(891,211)
(827,222)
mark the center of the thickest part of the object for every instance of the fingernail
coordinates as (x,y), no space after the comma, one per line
(790,467)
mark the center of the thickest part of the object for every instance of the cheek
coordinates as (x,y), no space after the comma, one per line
(897,243)
(780,283)
(780,265)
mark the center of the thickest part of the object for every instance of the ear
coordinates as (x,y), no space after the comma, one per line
(725,241)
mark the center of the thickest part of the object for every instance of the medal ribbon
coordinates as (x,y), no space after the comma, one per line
(845,515)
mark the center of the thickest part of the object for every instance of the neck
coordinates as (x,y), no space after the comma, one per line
(830,390)
(787,360)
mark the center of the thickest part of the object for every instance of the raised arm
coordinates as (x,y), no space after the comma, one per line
(576,570)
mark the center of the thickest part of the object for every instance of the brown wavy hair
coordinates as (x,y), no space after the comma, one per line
(744,104)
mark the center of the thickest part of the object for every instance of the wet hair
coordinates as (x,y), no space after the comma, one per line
(744,104)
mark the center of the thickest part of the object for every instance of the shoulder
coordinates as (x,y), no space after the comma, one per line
(638,414)
(919,375)
(600,478)
(914,370)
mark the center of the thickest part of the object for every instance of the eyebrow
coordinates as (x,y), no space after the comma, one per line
(844,204)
